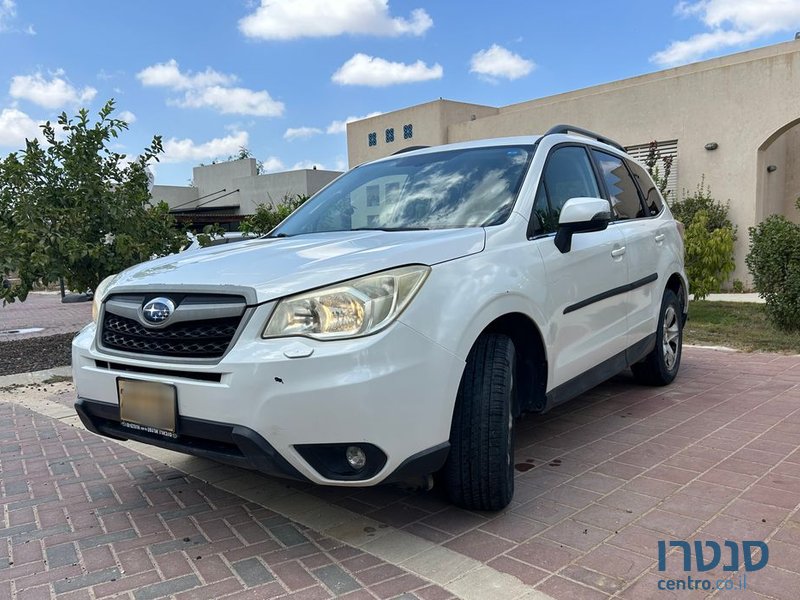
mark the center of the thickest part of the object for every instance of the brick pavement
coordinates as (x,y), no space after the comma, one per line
(715,456)
(87,518)
(44,310)
(601,479)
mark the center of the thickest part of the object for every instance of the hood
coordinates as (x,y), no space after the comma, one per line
(269,268)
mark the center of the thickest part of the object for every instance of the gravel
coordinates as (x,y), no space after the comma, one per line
(35,353)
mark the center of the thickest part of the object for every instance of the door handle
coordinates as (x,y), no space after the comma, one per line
(660,238)
(616,252)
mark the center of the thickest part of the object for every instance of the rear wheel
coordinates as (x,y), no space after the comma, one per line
(479,473)
(661,366)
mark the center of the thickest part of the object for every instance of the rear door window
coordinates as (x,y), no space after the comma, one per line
(622,191)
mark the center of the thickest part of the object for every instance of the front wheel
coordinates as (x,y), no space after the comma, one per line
(479,473)
(661,366)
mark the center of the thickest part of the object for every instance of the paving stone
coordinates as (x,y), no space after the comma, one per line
(166,588)
(336,580)
(89,579)
(252,571)
(59,556)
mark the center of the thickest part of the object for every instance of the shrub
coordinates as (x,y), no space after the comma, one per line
(709,240)
(738,286)
(774,261)
(684,210)
(268,216)
(709,256)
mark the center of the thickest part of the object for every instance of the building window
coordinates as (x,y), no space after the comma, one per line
(373,195)
(391,191)
(408,131)
(390,135)
(372,220)
(372,139)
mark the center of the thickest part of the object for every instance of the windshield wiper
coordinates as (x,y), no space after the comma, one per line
(390,229)
(277,235)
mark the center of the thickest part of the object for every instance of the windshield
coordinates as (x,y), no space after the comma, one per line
(472,187)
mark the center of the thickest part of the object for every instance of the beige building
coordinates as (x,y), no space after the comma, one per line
(228,191)
(734,120)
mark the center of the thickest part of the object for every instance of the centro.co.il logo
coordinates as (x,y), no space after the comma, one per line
(708,555)
(158,310)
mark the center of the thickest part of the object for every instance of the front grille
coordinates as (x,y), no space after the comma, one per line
(208,338)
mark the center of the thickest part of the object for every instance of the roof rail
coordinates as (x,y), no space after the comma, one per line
(409,149)
(562,128)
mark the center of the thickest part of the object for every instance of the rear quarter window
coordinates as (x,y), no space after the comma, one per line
(651,197)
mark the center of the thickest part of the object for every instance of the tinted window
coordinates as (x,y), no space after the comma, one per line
(650,195)
(568,174)
(472,187)
(622,192)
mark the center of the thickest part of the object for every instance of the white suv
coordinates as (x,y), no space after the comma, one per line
(394,325)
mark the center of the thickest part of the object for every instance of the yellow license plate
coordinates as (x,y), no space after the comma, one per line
(147,405)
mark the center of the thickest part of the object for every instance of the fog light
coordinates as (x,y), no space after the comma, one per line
(356,457)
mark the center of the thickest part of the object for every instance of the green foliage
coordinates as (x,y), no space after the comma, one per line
(774,261)
(738,286)
(267,216)
(209,234)
(709,240)
(71,207)
(684,210)
(709,256)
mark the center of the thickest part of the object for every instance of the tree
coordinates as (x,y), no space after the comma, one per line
(72,207)
(267,216)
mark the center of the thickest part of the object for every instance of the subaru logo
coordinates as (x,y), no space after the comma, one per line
(158,310)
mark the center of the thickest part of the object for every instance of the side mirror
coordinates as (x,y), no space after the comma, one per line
(581,215)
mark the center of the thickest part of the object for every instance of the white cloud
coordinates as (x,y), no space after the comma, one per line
(8,14)
(291,19)
(8,11)
(232,101)
(271,164)
(16,127)
(730,24)
(378,72)
(497,62)
(169,75)
(341,126)
(308,164)
(176,150)
(300,133)
(127,116)
(210,89)
(53,93)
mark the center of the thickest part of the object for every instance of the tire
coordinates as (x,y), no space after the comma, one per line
(661,366)
(479,473)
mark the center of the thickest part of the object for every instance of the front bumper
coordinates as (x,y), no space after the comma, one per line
(265,398)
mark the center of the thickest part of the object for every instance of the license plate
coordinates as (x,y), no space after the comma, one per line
(148,405)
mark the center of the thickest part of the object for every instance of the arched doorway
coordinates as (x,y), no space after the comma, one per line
(778,175)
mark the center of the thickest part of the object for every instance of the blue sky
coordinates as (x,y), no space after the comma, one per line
(281,76)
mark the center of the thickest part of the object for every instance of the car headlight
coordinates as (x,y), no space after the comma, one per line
(99,295)
(350,309)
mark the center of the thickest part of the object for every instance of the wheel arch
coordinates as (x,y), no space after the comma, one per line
(678,284)
(531,371)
